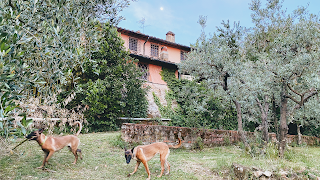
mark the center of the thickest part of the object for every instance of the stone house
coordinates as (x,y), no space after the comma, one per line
(153,54)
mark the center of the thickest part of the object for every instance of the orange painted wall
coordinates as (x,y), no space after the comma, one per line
(126,41)
(174,54)
(154,74)
(154,70)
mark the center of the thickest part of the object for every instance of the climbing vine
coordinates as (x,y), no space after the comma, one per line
(166,111)
(197,105)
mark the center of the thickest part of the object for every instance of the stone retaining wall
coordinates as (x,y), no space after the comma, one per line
(147,134)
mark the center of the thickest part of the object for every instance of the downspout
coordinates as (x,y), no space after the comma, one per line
(144,45)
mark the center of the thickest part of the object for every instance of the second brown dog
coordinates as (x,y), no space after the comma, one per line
(146,152)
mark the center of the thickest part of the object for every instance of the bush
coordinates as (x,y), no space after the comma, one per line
(119,142)
(110,85)
(197,105)
(198,145)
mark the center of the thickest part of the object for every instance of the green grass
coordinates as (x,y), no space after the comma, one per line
(101,160)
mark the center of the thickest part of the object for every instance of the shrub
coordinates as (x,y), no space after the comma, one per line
(198,145)
(197,105)
(119,142)
(110,85)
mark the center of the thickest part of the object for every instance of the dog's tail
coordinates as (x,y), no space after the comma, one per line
(80,127)
(176,146)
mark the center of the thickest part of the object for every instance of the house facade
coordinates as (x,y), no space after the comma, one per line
(154,54)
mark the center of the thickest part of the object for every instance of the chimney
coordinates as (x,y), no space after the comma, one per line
(170,37)
(164,56)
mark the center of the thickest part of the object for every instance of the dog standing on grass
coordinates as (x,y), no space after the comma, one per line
(146,152)
(50,144)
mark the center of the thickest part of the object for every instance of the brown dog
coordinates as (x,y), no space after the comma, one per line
(146,152)
(50,144)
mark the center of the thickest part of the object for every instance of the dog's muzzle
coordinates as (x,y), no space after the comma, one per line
(30,137)
(128,159)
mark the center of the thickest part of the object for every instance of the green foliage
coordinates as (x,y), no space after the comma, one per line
(166,111)
(118,142)
(197,106)
(44,48)
(24,123)
(278,57)
(11,84)
(198,145)
(286,65)
(226,140)
(111,86)
(310,130)
(55,37)
(7,127)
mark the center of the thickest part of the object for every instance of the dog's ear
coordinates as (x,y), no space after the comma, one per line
(125,149)
(132,149)
(40,131)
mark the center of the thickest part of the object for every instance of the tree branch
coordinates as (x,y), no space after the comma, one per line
(266,104)
(293,90)
(259,105)
(309,96)
(224,82)
(292,98)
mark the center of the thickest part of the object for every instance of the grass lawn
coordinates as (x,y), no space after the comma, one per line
(103,161)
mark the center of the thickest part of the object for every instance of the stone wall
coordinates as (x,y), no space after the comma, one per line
(160,91)
(147,134)
(309,140)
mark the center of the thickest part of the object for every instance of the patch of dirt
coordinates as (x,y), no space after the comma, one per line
(199,171)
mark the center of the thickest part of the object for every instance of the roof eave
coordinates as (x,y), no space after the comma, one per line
(153,39)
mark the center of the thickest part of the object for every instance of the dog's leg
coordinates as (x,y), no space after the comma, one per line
(145,163)
(44,160)
(75,155)
(80,153)
(168,165)
(162,160)
(47,157)
(135,169)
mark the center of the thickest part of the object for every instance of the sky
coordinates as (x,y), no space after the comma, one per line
(181,16)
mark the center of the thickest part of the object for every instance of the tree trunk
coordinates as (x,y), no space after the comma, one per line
(299,134)
(265,133)
(264,116)
(239,119)
(283,120)
(275,119)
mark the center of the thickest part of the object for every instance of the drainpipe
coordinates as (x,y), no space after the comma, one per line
(144,45)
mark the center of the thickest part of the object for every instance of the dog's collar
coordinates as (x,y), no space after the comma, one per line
(45,138)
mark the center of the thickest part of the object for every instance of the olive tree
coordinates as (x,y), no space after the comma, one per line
(276,59)
(43,42)
(284,50)
(214,59)
(55,36)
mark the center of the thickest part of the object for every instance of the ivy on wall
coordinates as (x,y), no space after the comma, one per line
(165,111)
(197,105)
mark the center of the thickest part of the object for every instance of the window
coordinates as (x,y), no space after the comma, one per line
(133,44)
(154,50)
(182,55)
(145,69)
